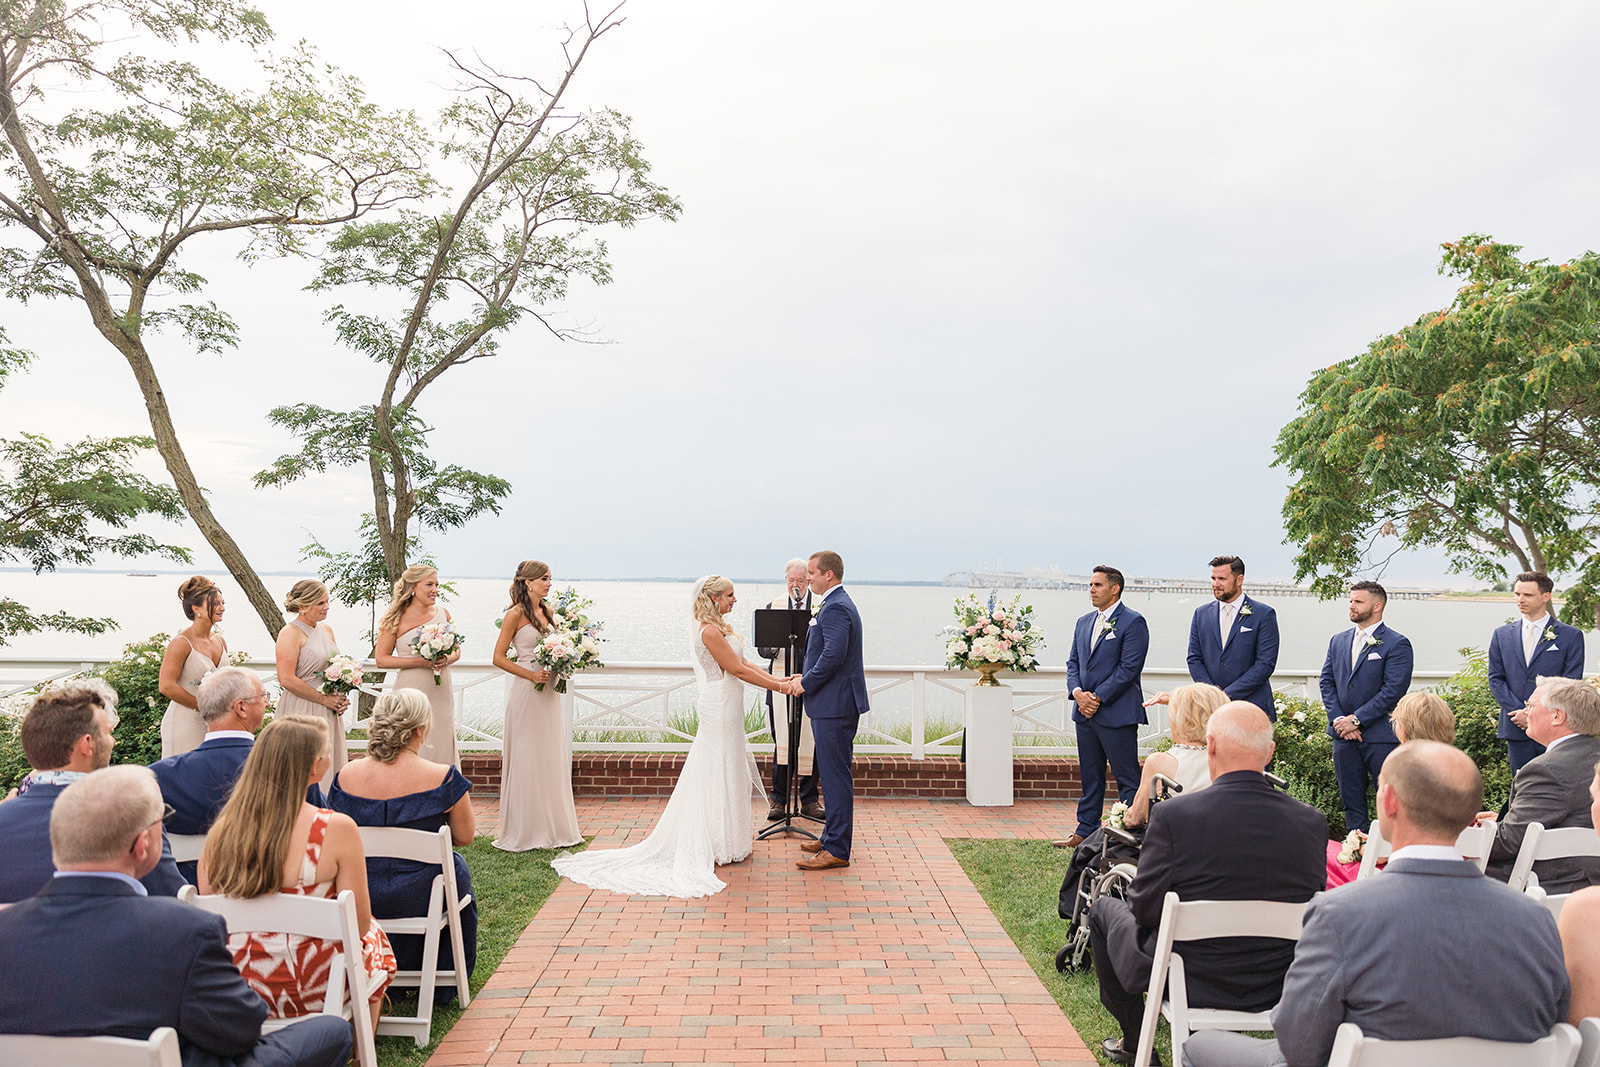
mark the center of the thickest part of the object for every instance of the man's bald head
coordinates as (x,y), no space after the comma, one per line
(1434,792)
(1238,738)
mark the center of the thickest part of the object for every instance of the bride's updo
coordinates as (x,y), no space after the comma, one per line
(705,607)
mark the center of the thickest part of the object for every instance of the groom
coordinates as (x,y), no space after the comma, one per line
(835,688)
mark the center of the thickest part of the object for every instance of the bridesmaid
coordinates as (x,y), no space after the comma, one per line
(536,809)
(197,649)
(303,649)
(415,604)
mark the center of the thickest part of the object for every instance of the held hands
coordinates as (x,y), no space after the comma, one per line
(336,702)
(791,686)
(1088,703)
(1520,717)
(1348,727)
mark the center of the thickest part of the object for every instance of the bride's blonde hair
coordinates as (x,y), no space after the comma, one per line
(705,607)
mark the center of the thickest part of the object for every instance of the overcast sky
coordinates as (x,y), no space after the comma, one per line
(955,283)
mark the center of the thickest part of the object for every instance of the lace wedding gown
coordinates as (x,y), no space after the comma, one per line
(707,820)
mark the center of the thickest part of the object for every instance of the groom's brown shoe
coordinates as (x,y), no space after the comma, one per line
(811,846)
(822,861)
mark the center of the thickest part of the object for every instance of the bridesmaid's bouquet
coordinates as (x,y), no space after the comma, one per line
(1354,844)
(573,643)
(341,675)
(434,642)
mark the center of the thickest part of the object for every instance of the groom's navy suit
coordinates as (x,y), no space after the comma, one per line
(835,683)
(1369,690)
(1110,670)
(1243,667)
(1512,678)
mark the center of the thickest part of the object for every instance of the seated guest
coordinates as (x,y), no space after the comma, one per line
(1186,761)
(65,736)
(268,839)
(1553,789)
(394,786)
(1429,949)
(92,954)
(1580,934)
(1237,839)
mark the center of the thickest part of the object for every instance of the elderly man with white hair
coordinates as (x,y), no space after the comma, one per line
(797,597)
(92,954)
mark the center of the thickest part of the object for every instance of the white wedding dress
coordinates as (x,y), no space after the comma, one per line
(706,821)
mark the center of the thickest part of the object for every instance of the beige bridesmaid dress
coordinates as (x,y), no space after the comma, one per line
(440,746)
(182,729)
(314,656)
(536,809)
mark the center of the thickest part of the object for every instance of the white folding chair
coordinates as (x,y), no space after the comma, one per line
(1552,903)
(1473,843)
(1558,844)
(1589,1035)
(1196,920)
(1353,1049)
(186,848)
(160,1049)
(444,913)
(331,920)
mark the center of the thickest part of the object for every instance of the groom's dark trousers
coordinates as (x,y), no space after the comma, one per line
(835,683)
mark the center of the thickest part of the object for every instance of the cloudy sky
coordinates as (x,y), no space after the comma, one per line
(955,283)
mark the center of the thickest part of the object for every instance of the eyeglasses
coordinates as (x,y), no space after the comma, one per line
(167,812)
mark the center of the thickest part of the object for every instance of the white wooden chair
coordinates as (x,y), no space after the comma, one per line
(1542,844)
(331,920)
(1352,1049)
(160,1049)
(186,848)
(444,913)
(1196,920)
(1589,1034)
(1552,904)
(1474,843)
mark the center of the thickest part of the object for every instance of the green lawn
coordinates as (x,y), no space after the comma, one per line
(1021,882)
(510,887)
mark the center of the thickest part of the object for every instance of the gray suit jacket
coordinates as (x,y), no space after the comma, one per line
(1428,948)
(1552,789)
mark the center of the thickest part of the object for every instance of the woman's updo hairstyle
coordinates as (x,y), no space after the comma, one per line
(196,592)
(705,605)
(307,593)
(396,718)
(526,570)
(405,591)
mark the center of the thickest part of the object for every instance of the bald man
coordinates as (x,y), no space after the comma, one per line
(1237,839)
(1430,948)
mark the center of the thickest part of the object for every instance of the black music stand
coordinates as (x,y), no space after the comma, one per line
(785,628)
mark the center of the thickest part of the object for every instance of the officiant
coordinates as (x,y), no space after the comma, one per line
(797,596)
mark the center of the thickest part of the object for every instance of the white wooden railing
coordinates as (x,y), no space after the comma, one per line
(647,707)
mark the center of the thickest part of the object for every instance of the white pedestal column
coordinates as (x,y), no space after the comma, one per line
(988,714)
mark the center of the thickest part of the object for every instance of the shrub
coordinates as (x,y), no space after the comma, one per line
(140,705)
(1477,719)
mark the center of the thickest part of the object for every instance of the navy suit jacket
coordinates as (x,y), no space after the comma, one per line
(835,678)
(1111,670)
(1513,681)
(27,864)
(90,956)
(1243,669)
(1371,690)
(198,783)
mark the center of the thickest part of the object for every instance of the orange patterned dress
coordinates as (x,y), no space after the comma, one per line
(291,972)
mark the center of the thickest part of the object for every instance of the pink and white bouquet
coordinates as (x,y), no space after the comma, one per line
(1353,846)
(341,675)
(992,632)
(434,642)
(573,643)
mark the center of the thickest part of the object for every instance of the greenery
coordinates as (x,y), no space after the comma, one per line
(1472,430)
(1020,881)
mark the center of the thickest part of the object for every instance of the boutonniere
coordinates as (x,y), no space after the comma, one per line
(1370,641)
(1245,611)
(1549,634)
(1111,624)
(817,608)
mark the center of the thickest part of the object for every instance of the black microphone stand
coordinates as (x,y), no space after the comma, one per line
(794,632)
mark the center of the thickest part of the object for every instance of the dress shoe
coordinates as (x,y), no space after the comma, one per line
(1071,842)
(776,812)
(1114,1051)
(813,810)
(811,846)
(822,861)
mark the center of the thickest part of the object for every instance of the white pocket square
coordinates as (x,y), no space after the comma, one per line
(1244,629)
(813,622)
(1374,655)
(1109,637)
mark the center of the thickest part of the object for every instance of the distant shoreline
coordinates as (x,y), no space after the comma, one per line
(768,580)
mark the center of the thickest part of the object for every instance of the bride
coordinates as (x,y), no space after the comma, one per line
(707,820)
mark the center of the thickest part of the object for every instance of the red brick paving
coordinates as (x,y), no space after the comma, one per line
(895,959)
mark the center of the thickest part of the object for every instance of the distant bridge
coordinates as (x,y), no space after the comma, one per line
(1053,578)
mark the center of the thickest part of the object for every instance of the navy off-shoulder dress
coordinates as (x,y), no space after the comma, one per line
(400,888)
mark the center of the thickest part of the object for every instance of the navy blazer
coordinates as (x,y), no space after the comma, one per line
(1111,670)
(1557,653)
(835,678)
(27,863)
(1371,690)
(198,783)
(1243,667)
(90,956)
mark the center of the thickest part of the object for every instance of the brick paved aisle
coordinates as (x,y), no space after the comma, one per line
(892,960)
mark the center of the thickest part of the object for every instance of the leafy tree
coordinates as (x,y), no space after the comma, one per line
(508,246)
(362,577)
(1471,430)
(99,205)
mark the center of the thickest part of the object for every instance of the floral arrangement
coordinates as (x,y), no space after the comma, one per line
(511,649)
(342,674)
(434,642)
(992,633)
(1115,816)
(1355,842)
(573,643)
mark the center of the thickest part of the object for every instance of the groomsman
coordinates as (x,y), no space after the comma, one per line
(1233,641)
(1108,650)
(1522,651)
(797,597)
(1367,671)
